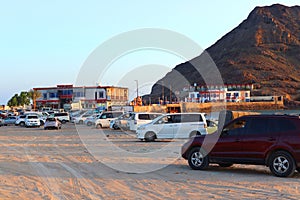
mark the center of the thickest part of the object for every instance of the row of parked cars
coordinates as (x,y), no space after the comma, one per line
(37,119)
(250,138)
(150,126)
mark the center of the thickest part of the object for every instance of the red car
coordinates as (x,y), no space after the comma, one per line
(271,140)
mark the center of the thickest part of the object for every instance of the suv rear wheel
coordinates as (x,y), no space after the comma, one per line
(282,164)
(198,159)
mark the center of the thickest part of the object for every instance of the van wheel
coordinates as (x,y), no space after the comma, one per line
(282,164)
(22,124)
(150,136)
(194,133)
(80,122)
(63,121)
(198,159)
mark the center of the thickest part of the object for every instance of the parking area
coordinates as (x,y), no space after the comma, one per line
(77,162)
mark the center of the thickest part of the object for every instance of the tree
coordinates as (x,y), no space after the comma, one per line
(34,95)
(13,101)
(24,98)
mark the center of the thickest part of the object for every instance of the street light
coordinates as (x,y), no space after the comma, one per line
(137,88)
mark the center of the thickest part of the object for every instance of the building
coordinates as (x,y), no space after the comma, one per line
(226,93)
(64,96)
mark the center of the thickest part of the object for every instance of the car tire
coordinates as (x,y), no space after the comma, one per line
(225,164)
(22,124)
(150,136)
(198,159)
(41,122)
(80,122)
(115,127)
(89,124)
(282,164)
(63,121)
(98,126)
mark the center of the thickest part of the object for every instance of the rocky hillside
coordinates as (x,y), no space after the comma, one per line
(264,49)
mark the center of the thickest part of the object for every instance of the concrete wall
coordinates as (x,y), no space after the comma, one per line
(211,107)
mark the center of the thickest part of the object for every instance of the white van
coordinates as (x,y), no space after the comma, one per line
(138,119)
(176,125)
(106,117)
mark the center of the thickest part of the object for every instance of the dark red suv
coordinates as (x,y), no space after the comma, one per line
(271,140)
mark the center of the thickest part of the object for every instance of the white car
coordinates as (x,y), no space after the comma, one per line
(89,121)
(52,123)
(175,125)
(32,121)
(138,119)
(106,117)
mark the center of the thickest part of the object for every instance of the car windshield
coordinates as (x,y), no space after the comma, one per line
(50,120)
(32,117)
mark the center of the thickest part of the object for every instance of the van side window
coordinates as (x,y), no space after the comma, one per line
(176,118)
(144,116)
(192,118)
(103,116)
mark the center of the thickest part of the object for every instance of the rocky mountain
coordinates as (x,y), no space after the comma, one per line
(264,49)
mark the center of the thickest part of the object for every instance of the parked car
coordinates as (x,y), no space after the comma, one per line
(106,117)
(63,117)
(89,121)
(21,119)
(141,118)
(81,118)
(9,120)
(271,140)
(122,121)
(52,123)
(32,121)
(176,125)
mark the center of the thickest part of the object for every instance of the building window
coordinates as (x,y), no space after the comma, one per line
(101,95)
(67,92)
(78,94)
(45,95)
(53,95)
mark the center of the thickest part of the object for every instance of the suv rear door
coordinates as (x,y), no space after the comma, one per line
(258,138)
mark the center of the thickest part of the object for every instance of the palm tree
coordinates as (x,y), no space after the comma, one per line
(34,95)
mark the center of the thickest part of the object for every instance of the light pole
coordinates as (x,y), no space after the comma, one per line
(137,88)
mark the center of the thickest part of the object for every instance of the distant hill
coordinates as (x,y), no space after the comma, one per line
(264,49)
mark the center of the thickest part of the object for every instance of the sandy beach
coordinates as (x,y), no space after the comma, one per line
(38,164)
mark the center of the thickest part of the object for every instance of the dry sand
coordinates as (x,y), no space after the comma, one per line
(38,164)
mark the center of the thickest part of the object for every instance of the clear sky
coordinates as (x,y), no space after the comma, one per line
(44,43)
